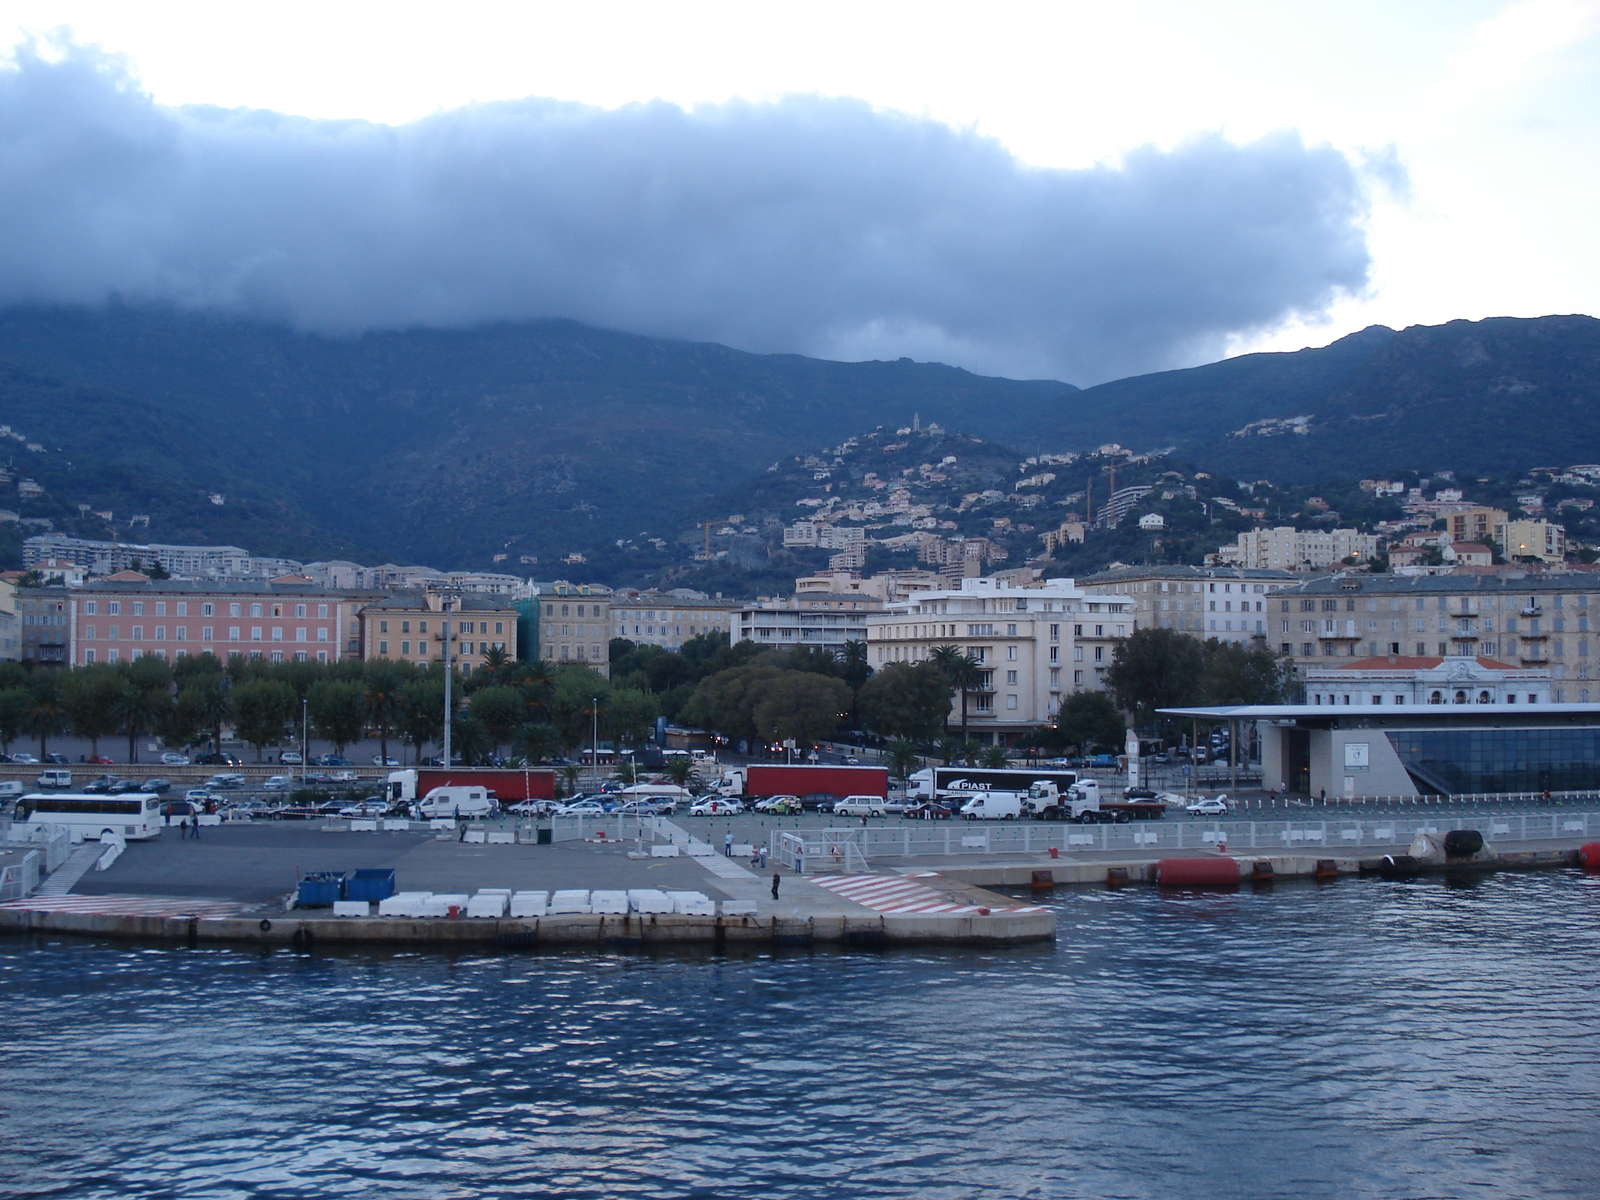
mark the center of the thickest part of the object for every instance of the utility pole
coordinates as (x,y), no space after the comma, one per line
(446,593)
(594,738)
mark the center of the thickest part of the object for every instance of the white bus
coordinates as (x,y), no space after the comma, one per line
(92,817)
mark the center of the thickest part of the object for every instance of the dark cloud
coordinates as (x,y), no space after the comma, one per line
(810,225)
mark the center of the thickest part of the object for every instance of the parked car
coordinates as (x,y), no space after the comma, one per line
(859,806)
(26,760)
(100,760)
(57,758)
(344,777)
(290,758)
(214,759)
(927,810)
(370,807)
(224,782)
(782,805)
(318,777)
(173,759)
(581,808)
(1217,806)
(156,786)
(278,783)
(239,808)
(716,806)
(53,777)
(123,786)
(203,796)
(637,808)
(180,808)
(303,812)
(379,760)
(331,760)
(100,783)
(533,808)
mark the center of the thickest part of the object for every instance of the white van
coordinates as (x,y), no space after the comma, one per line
(993,806)
(11,788)
(456,802)
(54,777)
(667,796)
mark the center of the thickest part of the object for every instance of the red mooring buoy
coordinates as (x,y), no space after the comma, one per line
(1198,872)
(1589,856)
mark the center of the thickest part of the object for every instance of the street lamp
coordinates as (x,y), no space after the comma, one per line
(446,593)
(594,739)
(305,739)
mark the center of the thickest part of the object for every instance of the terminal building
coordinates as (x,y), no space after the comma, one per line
(1421,749)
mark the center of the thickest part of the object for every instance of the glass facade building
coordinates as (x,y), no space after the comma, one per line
(1500,760)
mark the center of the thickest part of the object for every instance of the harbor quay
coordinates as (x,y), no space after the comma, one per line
(629,883)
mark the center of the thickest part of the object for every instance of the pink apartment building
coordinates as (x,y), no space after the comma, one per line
(117,620)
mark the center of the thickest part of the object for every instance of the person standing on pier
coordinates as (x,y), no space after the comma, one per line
(775,879)
(727,844)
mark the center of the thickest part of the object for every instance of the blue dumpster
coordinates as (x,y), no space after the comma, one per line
(319,889)
(371,884)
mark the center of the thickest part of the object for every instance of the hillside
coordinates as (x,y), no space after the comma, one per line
(520,444)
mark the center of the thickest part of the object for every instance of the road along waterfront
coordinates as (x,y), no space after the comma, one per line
(1368,1039)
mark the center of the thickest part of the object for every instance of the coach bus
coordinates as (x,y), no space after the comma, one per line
(92,817)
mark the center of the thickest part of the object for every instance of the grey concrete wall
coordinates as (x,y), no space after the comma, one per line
(1273,766)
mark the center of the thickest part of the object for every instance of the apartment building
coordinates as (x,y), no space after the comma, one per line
(819,620)
(126,617)
(1035,644)
(1228,603)
(669,619)
(44,626)
(413,627)
(575,627)
(1525,620)
(1538,540)
(1474,524)
(182,562)
(1287,549)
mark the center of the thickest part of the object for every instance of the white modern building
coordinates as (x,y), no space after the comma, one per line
(1289,549)
(823,621)
(1035,643)
(1453,679)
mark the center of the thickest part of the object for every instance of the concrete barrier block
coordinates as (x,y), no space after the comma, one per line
(363,827)
(351,908)
(529,904)
(431,907)
(695,908)
(738,908)
(743,849)
(475,837)
(494,891)
(396,825)
(609,902)
(441,823)
(682,899)
(213,819)
(502,839)
(649,900)
(488,906)
(699,850)
(663,852)
(570,900)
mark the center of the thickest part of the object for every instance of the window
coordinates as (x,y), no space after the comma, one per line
(136,609)
(405,626)
(208,610)
(255,610)
(90,608)
(88,631)
(255,633)
(383,627)
(233,633)
(1011,677)
(300,633)
(88,656)
(322,634)
(1011,702)
(422,627)
(322,611)
(161,633)
(383,647)
(277,633)
(499,626)
(299,610)
(181,609)
(1011,653)
(235,610)
(1055,654)
(405,647)
(138,633)
(114,607)
(1077,677)
(207,634)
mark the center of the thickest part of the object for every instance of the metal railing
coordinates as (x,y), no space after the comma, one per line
(956,838)
(18,879)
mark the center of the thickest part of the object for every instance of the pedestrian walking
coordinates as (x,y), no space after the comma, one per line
(194,827)
(761,857)
(183,829)
(775,878)
(727,844)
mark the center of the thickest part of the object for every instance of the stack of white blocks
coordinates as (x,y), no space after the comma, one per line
(649,900)
(404,904)
(610,902)
(489,902)
(351,908)
(529,904)
(692,904)
(570,900)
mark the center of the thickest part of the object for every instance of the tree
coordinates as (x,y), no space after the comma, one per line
(800,705)
(902,755)
(90,697)
(1238,674)
(211,700)
(1088,719)
(964,672)
(906,700)
(579,700)
(632,716)
(499,710)
(678,768)
(469,740)
(139,707)
(337,711)
(1155,668)
(14,705)
(539,741)
(384,683)
(994,756)
(854,668)
(422,712)
(265,707)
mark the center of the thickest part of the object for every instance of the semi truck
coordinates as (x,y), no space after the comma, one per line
(508,784)
(1082,803)
(961,783)
(803,779)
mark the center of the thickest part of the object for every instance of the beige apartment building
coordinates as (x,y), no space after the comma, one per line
(1527,621)
(1475,524)
(1228,603)
(1538,540)
(818,620)
(668,620)
(575,627)
(1035,644)
(1287,549)
(411,627)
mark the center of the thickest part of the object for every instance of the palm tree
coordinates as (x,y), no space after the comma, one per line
(138,709)
(495,663)
(385,705)
(46,713)
(902,757)
(994,756)
(964,672)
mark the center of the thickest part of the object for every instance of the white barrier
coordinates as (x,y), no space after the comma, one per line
(475,837)
(500,839)
(570,900)
(396,825)
(490,904)
(363,826)
(529,904)
(351,908)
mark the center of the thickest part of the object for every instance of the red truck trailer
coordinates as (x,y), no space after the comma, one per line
(802,779)
(508,784)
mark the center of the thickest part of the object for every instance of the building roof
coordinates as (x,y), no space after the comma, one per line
(417,602)
(240,587)
(1291,712)
(1402,662)
(1490,580)
(1119,572)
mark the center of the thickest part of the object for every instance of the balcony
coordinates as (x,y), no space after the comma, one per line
(1532,610)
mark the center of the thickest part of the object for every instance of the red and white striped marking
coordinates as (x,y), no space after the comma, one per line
(901,894)
(127,906)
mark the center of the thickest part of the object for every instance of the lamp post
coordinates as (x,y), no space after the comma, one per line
(594,738)
(305,738)
(447,592)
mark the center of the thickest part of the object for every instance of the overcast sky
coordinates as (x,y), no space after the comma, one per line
(1081,191)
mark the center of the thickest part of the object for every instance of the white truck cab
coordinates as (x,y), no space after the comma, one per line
(456,802)
(993,806)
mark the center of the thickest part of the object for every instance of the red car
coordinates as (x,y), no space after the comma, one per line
(928,812)
(100,760)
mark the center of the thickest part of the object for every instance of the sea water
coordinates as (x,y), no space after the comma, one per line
(1355,1039)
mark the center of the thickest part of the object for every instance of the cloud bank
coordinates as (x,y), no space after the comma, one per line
(807,225)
